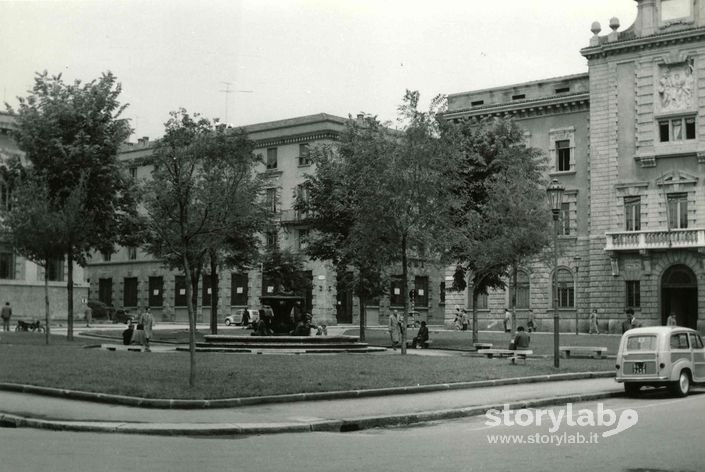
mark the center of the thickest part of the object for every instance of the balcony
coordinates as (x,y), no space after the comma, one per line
(293,217)
(690,238)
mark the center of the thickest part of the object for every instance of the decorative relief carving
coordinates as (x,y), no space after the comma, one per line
(676,87)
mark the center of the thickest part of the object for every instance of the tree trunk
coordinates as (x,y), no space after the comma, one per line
(191,324)
(405,293)
(195,277)
(474,316)
(513,301)
(214,292)
(47,312)
(69,286)
(363,316)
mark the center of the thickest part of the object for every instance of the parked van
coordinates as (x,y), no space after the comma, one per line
(671,356)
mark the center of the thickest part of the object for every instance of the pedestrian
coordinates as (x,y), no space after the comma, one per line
(147,322)
(394,329)
(6,314)
(531,322)
(594,329)
(465,321)
(457,322)
(507,321)
(627,323)
(88,314)
(671,321)
(634,322)
(167,312)
(128,334)
(421,337)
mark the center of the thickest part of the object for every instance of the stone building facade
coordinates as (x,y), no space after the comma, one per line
(132,279)
(627,141)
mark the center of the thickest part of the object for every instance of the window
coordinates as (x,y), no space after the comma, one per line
(442,292)
(206,290)
(482,301)
(133,172)
(632,213)
(238,289)
(675,9)
(272,199)
(4,196)
(303,238)
(304,156)
(105,291)
(676,129)
(421,286)
(55,270)
(565,288)
(271,240)
(522,290)
(679,341)
(132,253)
(641,343)
(677,211)
(7,265)
(180,290)
(272,158)
(633,293)
(696,341)
(156,291)
(268,285)
(301,196)
(564,221)
(106,256)
(396,297)
(563,155)
(130,292)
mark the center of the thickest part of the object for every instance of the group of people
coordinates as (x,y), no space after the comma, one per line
(140,333)
(396,327)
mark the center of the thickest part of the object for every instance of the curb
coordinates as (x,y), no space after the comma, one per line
(165,403)
(335,425)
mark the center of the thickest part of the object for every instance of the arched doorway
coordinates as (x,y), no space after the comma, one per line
(679,294)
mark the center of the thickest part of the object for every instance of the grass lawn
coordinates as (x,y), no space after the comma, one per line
(73,365)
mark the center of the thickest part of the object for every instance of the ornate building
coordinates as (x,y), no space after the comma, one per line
(627,141)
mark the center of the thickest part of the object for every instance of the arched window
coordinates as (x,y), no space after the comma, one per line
(522,300)
(566,289)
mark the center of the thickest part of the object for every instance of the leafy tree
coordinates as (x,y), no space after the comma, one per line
(202,193)
(70,133)
(503,216)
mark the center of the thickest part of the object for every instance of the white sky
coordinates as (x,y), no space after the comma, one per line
(296,57)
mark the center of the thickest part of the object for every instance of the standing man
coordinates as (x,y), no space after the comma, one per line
(5,314)
(147,321)
(671,321)
(394,329)
(507,321)
(88,313)
(627,323)
(594,329)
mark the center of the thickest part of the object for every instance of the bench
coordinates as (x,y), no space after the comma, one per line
(482,345)
(511,354)
(592,351)
(425,345)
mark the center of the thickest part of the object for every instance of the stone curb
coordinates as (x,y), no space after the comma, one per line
(295,397)
(335,425)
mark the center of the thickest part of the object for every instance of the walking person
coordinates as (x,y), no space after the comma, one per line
(88,314)
(394,329)
(6,314)
(594,329)
(147,322)
(531,322)
(507,321)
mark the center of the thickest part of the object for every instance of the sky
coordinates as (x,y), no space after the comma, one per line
(251,61)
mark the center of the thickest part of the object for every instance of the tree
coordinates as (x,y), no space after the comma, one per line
(202,193)
(503,217)
(70,133)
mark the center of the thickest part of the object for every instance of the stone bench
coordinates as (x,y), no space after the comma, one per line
(425,345)
(513,355)
(482,345)
(591,351)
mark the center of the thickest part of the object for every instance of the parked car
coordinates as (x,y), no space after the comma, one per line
(100,310)
(671,356)
(122,316)
(236,318)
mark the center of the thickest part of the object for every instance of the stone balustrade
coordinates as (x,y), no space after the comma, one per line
(662,239)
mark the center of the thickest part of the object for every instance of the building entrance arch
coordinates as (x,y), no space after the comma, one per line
(679,294)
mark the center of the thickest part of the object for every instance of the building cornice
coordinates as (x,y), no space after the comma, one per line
(654,41)
(526,108)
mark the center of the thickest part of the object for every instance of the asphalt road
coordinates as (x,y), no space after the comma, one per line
(666,435)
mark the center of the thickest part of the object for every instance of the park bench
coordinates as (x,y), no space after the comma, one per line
(592,351)
(482,345)
(511,354)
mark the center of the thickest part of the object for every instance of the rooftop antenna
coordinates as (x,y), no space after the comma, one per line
(227,92)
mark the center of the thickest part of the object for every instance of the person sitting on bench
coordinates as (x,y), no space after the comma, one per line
(520,341)
(421,337)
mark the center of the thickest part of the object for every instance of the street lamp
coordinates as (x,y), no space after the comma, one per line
(577,269)
(555,197)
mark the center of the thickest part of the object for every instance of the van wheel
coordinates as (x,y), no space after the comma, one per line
(682,386)
(227,322)
(632,389)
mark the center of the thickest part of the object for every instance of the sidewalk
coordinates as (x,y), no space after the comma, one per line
(27,410)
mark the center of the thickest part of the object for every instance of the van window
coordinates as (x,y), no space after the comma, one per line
(696,341)
(641,343)
(679,341)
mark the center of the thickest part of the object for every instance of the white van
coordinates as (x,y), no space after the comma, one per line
(670,356)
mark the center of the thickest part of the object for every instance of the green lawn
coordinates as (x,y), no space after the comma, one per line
(74,365)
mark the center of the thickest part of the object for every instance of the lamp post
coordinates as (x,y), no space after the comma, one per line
(555,197)
(577,313)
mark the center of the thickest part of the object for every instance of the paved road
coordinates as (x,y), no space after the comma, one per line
(667,438)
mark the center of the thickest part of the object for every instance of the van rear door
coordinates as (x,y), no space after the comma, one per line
(639,358)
